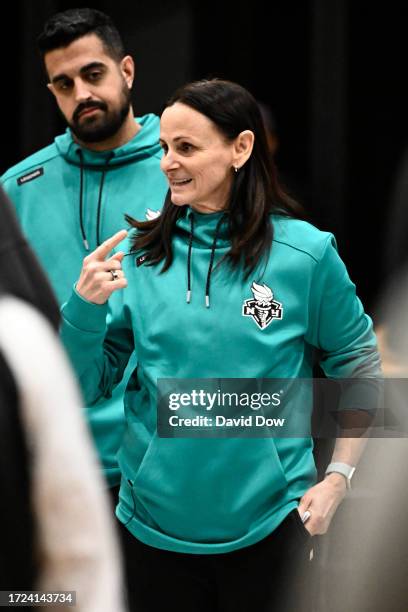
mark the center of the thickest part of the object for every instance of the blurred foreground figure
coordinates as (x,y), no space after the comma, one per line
(73,539)
(367,553)
(20,272)
(364,565)
(55,529)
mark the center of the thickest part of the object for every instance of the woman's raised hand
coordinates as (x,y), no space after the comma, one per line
(101,275)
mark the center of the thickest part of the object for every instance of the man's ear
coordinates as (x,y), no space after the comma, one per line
(243,145)
(127,68)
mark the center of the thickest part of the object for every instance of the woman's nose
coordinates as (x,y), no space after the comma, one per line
(169,161)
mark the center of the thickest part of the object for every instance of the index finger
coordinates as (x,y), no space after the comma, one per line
(103,250)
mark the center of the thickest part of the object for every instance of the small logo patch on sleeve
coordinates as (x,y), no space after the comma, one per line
(140,260)
(30,176)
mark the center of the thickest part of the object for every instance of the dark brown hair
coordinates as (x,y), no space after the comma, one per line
(255,192)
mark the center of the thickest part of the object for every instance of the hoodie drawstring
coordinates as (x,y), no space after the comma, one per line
(81,203)
(210,266)
(81,198)
(190,248)
(98,214)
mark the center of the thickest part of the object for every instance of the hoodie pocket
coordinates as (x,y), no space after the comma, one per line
(208,490)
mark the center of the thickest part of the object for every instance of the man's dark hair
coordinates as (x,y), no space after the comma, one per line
(65,27)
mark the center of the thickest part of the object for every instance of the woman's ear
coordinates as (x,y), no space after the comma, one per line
(243,146)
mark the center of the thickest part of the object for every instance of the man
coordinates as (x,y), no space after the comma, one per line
(73,194)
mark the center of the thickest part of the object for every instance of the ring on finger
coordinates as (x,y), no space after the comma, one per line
(115,274)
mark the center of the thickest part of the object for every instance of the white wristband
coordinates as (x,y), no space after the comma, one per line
(342,468)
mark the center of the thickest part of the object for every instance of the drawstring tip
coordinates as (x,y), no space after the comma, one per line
(86,245)
(188,297)
(207,301)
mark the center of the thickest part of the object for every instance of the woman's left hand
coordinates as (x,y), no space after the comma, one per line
(322,501)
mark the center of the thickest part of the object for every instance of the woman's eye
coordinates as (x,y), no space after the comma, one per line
(186,147)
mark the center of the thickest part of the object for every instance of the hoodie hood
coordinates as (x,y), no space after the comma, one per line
(204,228)
(203,231)
(144,144)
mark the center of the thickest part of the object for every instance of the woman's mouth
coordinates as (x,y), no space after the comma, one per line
(179,182)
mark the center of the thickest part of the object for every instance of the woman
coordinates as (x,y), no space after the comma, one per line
(224,284)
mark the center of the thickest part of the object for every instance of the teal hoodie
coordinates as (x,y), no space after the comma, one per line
(216,495)
(67,205)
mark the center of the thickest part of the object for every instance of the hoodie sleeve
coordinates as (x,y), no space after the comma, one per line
(338,325)
(340,329)
(99,343)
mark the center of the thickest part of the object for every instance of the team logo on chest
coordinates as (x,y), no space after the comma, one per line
(262,308)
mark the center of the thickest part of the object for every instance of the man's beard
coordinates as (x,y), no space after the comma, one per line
(100,128)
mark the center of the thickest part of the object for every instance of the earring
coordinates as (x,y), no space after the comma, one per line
(236,168)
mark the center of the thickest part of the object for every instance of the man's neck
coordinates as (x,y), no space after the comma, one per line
(128,131)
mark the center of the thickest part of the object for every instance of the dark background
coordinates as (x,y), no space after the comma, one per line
(333,73)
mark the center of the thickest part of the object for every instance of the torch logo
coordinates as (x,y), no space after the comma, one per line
(262,308)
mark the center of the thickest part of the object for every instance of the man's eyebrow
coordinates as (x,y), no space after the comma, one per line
(92,65)
(84,69)
(59,77)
